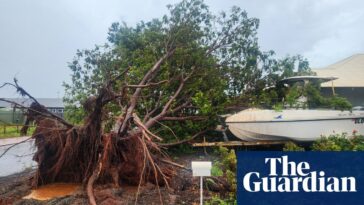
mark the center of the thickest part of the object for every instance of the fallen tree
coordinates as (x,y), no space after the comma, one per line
(84,154)
(165,76)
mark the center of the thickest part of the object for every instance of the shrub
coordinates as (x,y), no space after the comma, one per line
(226,166)
(339,142)
(216,200)
(291,146)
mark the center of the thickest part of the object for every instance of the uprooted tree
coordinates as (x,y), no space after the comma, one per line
(169,76)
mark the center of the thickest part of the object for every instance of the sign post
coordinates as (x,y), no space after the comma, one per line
(201,169)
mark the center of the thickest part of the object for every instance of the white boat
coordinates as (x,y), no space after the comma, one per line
(297,125)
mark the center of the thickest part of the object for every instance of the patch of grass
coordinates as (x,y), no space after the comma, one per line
(13,131)
(216,200)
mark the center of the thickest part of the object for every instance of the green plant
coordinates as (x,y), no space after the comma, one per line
(293,94)
(339,142)
(311,92)
(315,99)
(358,142)
(216,200)
(226,166)
(291,146)
(231,178)
(278,107)
(340,103)
(216,170)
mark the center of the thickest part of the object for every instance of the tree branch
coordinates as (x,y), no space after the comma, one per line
(183,141)
(167,106)
(134,98)
(142,127)
(157,106)
(178,108)
(152,121)
(193,118)
(147,85)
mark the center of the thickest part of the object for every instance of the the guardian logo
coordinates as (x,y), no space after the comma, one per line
(295,177)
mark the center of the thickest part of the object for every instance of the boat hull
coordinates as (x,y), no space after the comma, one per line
(303,129)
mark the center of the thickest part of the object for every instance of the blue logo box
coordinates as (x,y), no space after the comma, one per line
(300,178)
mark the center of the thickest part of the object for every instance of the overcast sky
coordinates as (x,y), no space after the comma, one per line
(39,37)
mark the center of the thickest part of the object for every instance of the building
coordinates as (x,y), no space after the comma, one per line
(10,113)
(350,82)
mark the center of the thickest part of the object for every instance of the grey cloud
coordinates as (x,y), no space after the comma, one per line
(38,38)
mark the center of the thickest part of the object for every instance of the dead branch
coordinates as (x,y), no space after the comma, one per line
(13,145)
(44,112)
(175,164)
(19,89)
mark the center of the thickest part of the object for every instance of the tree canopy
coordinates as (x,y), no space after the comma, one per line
(179,70)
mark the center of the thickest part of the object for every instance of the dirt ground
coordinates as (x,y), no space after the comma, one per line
(184,189)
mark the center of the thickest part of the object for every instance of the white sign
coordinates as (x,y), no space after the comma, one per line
(201,168)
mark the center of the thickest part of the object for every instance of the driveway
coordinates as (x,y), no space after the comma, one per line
(18,158)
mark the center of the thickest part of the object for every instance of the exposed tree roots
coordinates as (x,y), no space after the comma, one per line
(85,154)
